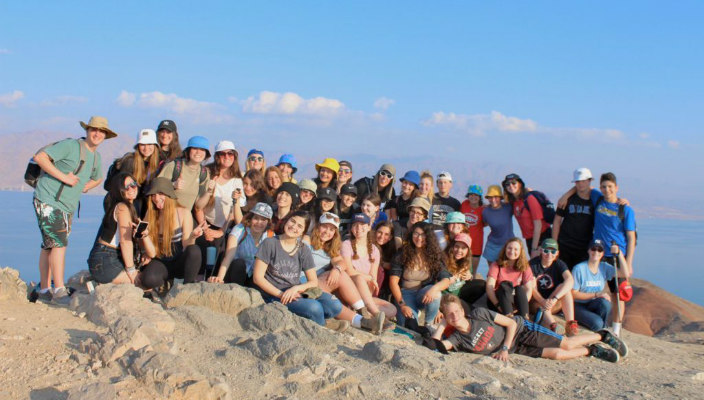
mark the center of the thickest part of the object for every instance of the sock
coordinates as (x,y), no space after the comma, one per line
(357,305)
(357,321)
(42,291)
(616,328)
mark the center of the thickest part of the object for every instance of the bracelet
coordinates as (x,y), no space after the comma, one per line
(401,303)
(281,292)
(504,348)
(130,269)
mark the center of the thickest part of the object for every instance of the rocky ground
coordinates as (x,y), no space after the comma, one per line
(221,342)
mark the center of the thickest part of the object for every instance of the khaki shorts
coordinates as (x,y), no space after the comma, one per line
(54,225)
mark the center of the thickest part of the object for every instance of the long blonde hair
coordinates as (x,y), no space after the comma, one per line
(161,225)
(427,175)
(139,172)
(331,247)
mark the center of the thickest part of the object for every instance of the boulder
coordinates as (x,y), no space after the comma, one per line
(223,298)
(12,288)
(97,390)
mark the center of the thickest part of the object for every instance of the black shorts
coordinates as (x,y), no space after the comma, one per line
(534,338)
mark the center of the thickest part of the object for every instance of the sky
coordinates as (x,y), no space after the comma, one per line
(529,86)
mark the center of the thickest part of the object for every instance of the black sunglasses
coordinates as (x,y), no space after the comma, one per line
(549,251)
(597,249)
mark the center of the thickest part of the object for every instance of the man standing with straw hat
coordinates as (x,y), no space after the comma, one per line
(69,167)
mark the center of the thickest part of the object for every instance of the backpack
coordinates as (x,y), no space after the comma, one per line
(113,170)
(545,204)
(34,171)
(621,215)
(178,167)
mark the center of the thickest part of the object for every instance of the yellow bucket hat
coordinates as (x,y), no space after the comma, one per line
(329,163)
(494,190)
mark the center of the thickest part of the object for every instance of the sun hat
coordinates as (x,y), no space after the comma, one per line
(290,188)
(263,210)
(493,191)
(161,185)
(309,185)
(288,159)
(99,123)
(411,177)
(475,189)
(255,151)
(581,174)
(512,177)
(444,175)
(550,243)
(198,142)
(224,145)
(329,163)
(359,217)
(388,168)
(330,218)
(146,136)
(420,202)
(463,238)
(455,217)
(348,189)
(167,124)
(327,193)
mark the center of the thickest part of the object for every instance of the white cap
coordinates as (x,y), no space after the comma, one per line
(444,175)
(225,145)
(330,218)
(582,174)
(147,136)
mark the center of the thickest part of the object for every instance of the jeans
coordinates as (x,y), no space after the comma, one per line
(414,299)
(105,263)
(316,310)
(593,314)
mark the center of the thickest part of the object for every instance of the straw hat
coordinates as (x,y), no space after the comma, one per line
(99,123)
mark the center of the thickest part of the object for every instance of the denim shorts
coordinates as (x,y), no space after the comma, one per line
(105,263)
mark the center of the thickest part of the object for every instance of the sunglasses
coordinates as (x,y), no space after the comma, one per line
(386,174)
(509,183)
(345,171)
(332,216)
(597,249)
(131,185)
(256,158)
(549,251)
(226,153)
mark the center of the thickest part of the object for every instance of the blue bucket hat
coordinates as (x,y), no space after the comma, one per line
(199,142)
(455,217)
(412,177)
(288,159)
(475,189)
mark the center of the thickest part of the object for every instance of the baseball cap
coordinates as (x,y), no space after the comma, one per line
(327,193)
(225,145)
(581,174)
(167,124)
(330,218)
(348,189)
(359,217)
(147,136)
(444,175)
(550,243)
(263,210)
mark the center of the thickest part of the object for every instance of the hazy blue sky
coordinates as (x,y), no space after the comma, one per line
(555,85)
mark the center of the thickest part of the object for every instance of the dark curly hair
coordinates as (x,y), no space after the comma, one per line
(431,257)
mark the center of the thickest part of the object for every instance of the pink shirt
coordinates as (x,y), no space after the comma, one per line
(526,215)
(362,264)
(512,275)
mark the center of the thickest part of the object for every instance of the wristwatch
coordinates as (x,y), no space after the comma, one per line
(504,348)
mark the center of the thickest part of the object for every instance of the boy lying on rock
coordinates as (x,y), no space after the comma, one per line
(486,332)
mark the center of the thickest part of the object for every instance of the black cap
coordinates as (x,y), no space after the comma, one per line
(348,189)
(327,193)
(167,124)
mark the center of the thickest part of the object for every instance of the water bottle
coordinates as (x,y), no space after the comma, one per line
(210,254)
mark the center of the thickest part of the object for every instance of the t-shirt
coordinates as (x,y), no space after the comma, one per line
(475,222)
(321,259)
(66,156)
(499,220)
(246,249)
(608,226)
(485,336)
(512,275)
(346,217)
(547,279)
(441,207)
(218,213)
(577,223)
(362,264)
(284,270)
(586,281)
(397,269)
(192,187)
(526,210)
(401,207)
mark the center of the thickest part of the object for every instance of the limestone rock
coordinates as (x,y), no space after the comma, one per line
(491,388)
(227,299)
(98,390)
(12,288)
(272,317)
(378,351)
(423,363)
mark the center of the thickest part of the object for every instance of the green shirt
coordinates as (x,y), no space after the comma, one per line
(66,155)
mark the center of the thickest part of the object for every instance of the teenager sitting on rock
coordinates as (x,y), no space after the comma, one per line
(509,283)
(486,332)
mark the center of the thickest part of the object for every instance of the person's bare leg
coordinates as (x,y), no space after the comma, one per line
(344,289)
(554,353)
(44,271)
(366,294)
(57,265)
(346,314)
(388,308)
(573,342)
(121,278)
(567,304)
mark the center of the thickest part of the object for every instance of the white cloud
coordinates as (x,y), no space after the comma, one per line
(62,100)
(383,103)
(195,110)
(673,144)
(481,124)
(291,104)
(9,99)
(126,99)
(4,51)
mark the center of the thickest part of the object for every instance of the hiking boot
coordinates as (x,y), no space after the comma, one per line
(603,353)
(614,342)
(571,328)
(163,290)
(61,297)
(364,312)
(43,297)
(337,325)
(375,324)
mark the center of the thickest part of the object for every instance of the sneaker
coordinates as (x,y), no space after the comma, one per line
(571,328)
(375,324)
(364,312)
(337,325)
(43,297)
(614,342)
(603,353)
(61,297)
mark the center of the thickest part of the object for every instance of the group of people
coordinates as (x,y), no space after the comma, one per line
(344,252)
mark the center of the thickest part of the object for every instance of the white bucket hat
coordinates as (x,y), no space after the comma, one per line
(147,136)
(224,145)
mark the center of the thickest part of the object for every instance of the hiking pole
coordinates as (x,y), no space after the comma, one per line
(617,266)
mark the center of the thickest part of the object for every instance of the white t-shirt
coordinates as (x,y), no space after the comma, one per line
(219,211)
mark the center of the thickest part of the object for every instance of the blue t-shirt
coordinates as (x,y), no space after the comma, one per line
(500,222)
(247,248)
(608,227)
(587,282)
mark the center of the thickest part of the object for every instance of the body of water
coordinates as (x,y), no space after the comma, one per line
(665,254)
